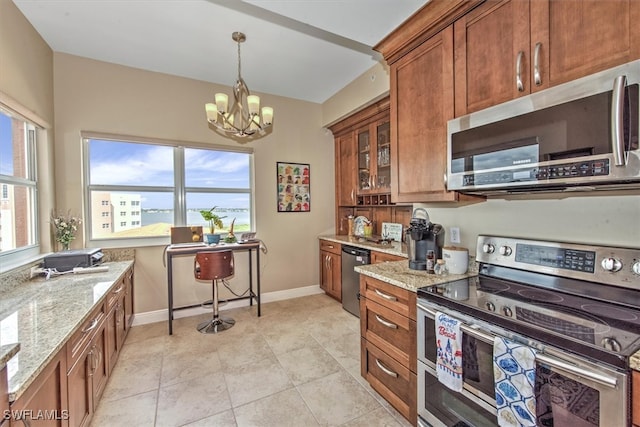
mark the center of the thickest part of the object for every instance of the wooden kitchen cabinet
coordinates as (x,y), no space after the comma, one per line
(635,398)
(510,48)
(4,396)
(374,158)
(128,301)
(378,257)
(388,343)
(345,164)
(47,392)
(331,268)
(119,317)
(88,377)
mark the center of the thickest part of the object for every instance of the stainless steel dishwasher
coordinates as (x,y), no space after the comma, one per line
(352,256)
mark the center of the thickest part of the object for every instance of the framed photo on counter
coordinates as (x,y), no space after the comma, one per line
(294,187)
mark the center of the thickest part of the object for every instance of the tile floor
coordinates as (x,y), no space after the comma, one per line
(297,365)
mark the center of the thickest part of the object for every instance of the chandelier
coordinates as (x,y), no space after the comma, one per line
(244,119)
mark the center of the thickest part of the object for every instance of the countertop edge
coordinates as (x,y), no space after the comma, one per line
(7,352)
(394,248)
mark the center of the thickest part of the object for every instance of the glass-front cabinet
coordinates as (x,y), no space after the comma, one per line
(374,158)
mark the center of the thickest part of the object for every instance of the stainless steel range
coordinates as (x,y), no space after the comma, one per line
(577,306)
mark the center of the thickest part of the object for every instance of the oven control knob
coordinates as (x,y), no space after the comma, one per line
(505,250)
(490,306)
(507,311)
(611,264)
(611,344)
(636,267)
(488,248)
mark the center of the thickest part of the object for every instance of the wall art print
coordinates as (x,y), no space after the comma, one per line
(294,187)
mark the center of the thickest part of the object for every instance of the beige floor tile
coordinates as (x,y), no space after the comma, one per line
(346,349)
(192,400)
(254,381)
(150,330)
(378,418)
(308,363)
(187,364)
(223,419)
(337,399)
(143,368)
(138,410)
(242,349)
(284,409)
(283,339)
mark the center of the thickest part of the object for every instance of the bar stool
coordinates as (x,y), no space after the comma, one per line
(214,266)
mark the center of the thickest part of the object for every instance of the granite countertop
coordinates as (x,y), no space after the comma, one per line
(7,352)
(392,248)
(41,315)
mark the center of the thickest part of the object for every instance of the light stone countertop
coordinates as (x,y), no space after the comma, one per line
(41,315)
(634,361)
(7,352)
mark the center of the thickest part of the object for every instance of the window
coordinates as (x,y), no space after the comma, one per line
(18,206)
(164,186)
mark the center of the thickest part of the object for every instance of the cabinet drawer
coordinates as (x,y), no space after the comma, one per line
(81,338)
(116,293)
(394,382)
(393,297)
(332,247)
(390,331)
(378,257)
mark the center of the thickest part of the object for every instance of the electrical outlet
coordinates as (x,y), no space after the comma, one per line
(454,235)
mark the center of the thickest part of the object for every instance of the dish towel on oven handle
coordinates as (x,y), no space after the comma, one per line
(514,371)
(449,355)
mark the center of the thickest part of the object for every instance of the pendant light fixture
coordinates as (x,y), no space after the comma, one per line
(244,119)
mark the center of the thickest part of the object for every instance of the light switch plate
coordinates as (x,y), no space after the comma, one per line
(454,235)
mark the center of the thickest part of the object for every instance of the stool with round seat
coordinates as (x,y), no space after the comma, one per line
(214,266)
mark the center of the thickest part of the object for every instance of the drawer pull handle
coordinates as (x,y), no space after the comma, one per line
(117,291)
(385,296)
(385,323)
(91,327)
(386,370)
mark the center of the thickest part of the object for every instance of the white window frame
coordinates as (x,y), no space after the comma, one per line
(179,188)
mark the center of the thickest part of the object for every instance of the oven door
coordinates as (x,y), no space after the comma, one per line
(570,391)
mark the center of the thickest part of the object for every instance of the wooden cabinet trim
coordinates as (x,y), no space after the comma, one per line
(635,397)
(366,114)
(421,26)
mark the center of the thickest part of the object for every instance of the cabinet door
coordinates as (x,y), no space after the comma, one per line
(128,300)
(331,274)
(488,42)
(365,142)
(578,38)
(421,104)
(81,390)
(48,392)
(346,170)
(99,365)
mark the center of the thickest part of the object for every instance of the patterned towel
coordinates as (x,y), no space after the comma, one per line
(449,358)
(514,371)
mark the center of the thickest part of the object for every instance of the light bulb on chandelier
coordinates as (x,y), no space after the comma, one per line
(244,119)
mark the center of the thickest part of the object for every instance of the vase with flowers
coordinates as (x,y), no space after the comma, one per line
(65,228)
(214,221)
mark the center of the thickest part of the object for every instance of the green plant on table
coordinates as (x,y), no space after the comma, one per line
(213,219)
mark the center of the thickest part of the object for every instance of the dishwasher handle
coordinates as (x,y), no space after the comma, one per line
(365,254)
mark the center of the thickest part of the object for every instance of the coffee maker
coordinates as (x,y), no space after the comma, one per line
(421,237)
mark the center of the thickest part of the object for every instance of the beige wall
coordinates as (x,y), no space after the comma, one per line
(102,97)
(26,77)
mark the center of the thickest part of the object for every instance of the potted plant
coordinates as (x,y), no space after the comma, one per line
(214,221)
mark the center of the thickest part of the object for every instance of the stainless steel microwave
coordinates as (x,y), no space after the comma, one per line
(578,136)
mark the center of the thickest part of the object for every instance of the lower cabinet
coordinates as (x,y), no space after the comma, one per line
(87,379)
(388,343)
(48,392)
(635,394)
(378,257)
(331,268)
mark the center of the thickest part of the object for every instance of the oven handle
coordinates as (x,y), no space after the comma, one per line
(553,362)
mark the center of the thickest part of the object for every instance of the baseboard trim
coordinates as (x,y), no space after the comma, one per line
(162,315)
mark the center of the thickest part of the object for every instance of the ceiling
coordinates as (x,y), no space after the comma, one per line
(302,49)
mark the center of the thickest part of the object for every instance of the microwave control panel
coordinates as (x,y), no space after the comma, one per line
(599,167)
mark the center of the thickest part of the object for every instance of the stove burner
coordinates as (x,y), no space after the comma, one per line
(540,295)
(611,312)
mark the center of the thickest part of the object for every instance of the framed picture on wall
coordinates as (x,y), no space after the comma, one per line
(294,187)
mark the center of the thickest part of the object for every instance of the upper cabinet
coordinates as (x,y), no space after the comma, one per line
(510,48)
(374,157)
(345,160)
(420,55)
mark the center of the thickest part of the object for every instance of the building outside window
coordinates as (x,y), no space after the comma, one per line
(164,185)
(18,205)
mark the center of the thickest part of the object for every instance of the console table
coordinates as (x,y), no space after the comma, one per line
(191,250)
